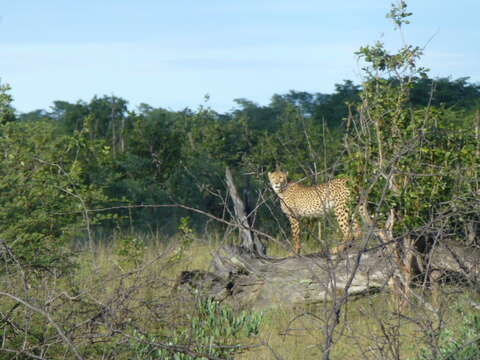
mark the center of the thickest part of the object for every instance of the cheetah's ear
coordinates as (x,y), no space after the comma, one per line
(269,173)
(286,173)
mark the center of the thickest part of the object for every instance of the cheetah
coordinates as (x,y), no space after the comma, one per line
(299,201)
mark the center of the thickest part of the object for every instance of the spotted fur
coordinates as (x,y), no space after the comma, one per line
(299,201)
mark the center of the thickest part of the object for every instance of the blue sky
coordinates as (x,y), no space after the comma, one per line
(171,53)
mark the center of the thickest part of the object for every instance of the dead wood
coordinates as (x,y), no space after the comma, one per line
(249,237)
(244,279)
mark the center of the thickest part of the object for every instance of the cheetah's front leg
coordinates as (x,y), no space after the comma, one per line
(295,226)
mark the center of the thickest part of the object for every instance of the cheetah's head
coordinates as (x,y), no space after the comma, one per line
(278,180)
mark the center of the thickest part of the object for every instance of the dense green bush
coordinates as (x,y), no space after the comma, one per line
(47,187)
(413,162)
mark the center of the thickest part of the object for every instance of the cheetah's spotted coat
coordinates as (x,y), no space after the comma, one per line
(299,201)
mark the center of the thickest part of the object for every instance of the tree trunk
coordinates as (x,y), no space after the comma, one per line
(250,240)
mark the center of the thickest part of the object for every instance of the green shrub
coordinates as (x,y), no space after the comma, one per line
(214,330)
(46,190)
(461,343)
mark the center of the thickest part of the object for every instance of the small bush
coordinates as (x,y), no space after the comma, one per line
(214,330)
(462,343)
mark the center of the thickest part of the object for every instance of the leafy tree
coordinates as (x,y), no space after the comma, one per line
(35,115)
(255,117)
(107,116)
(45,193)
(305,102)
(411,163)
(7,113)
(69,115)
(457,93)
(142,170)
(335,108)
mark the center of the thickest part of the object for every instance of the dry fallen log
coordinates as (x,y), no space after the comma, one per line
(241,278)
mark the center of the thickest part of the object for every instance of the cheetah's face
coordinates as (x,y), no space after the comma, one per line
(278,180)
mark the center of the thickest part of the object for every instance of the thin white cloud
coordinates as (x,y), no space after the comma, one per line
(171,53)
(74,71)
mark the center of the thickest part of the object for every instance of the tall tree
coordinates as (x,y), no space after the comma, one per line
(7,112)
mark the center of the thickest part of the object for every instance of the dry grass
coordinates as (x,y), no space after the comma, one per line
(369,327)
(139,290)
(298,333)
(368,330)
